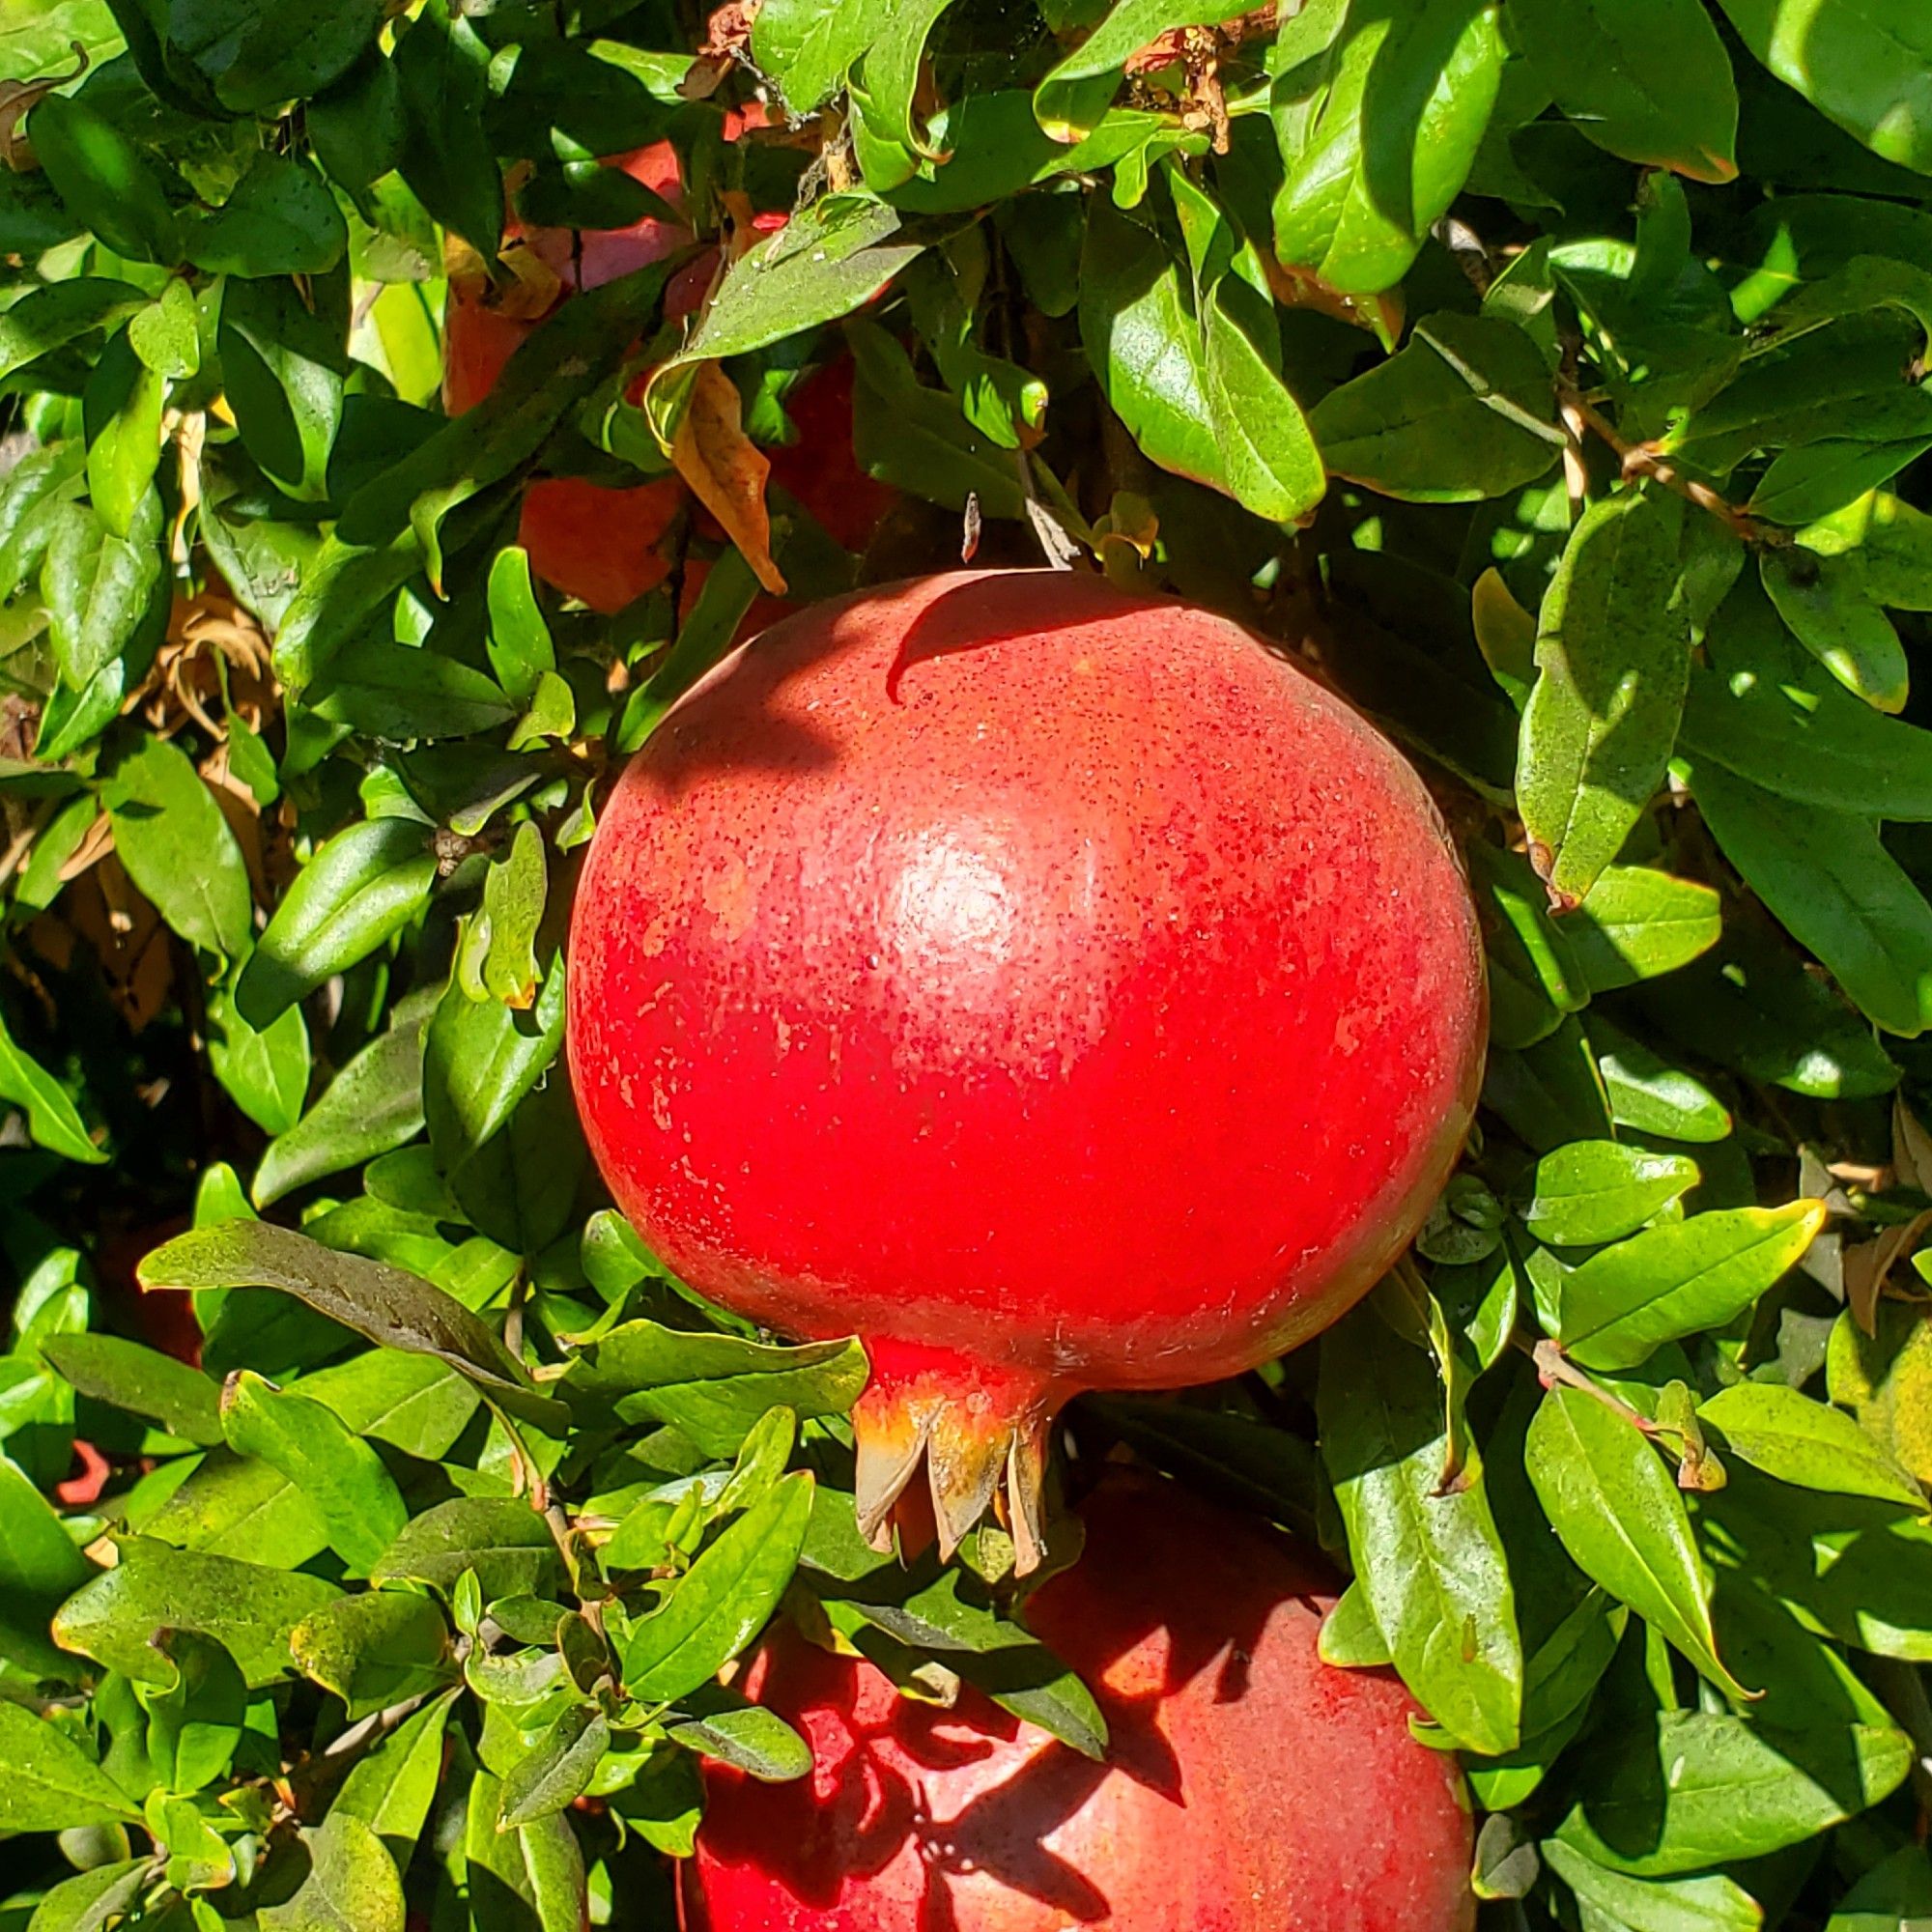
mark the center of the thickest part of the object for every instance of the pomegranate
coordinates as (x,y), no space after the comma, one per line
(1249,1787)
(1047,982)
(602,543)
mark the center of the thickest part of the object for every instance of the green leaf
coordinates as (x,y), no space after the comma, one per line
(1068,102)
(556,1771)
(527,1879)
(480,1061)
(357,892)
(415,1403)
(372,1106)
(1797,1440)
(195,1724)
(39,1567)
(229,1506)
(892,70)
(143,1380)
(386,1305)
(715,1388)
(514,892)
(1647,79)
(121,421)
(1623,1520)
(723,1600)
(822,265)
(257,61)
(1614,660)
(505,1542)
(1895,1896)
(1703,1790)
(1378,129)
(1710,1904)
(99,589)
(284,367)
(1430,1563)
(46,319)
(91,1899)
(1635,923)
(1462,413)
(105,180)
(351,1882)
(337,1471)
(750,1739)
(1675,1280)
(1867,67)
(1533,977)
(1831,611)
(170,835)
(1831,881)
(521,650)
(51,1784)
(392,1788)
(280,221)
(1767,712)
(398,690)
(246,1607)
(265,1072)
(442,67)
(808,46)
(375,1649)
(52,1119)
(1595,1191)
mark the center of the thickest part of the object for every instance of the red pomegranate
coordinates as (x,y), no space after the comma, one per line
(1046,982)
(1249,1787)
(604,545)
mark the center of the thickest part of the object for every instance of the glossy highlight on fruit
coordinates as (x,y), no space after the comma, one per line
(1048,984)
(1248,1786)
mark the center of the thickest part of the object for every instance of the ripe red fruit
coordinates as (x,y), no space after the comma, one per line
(1249,1787)
(1048,984)
(604,545)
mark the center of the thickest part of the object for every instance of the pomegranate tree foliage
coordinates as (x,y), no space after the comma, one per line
(1551,371)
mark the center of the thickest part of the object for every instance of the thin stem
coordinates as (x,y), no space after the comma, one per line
(1642,459)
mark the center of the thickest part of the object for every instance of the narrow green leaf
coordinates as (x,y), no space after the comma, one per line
(375,1649)
(1788,1436)
(505,1542)
(178,849)
(51,1784)
(351,1882)
(140,1379)
(1595,1191)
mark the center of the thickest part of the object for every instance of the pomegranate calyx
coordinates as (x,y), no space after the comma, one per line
(982,1434)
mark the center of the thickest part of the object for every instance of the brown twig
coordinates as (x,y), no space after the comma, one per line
(1644,460)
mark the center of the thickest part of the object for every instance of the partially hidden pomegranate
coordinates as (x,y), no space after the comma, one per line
(605,543)
(1047,982)
(1249,1787)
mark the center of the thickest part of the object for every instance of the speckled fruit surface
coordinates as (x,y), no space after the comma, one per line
(1249,1787)
(1052,985)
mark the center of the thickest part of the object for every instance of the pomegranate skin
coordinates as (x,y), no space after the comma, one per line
(1249,1787)
(1048,984)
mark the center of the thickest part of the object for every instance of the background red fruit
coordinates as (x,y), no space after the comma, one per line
(1249,1786)
(1049,984)
(604,545)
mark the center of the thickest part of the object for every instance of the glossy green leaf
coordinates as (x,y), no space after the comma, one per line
(1829,877)
(105,179)
(750,1739)
(505,1542)
(337,1471)
(265,1072)
(1868,66)
(713,1387)
(363,887)
(1676,1279)
(352,1881)
(1595,1191)
(38,1568)
(246,1607)
(99,589)
(442,69)
(257,61)
(1635,923)
(228,1505)
(723,1600)
(52,1119)
(280,221)
(1788,1436)
(386,1305)
(1712,1903)
(90,1900)
(375,1649)
(1704,1790)
(1648,79)
(121,421)
(1463,411)
(1832,612)
(285,371)
(555,1772)
(51,1784)
(1378,129)
(1614,660)
(195,1723)
(178,849)
(521,650)
(391,1788)
(1430,1563)
(1622,1520)
(535,1877)
(129,1376)
(808,46)
(46,319)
